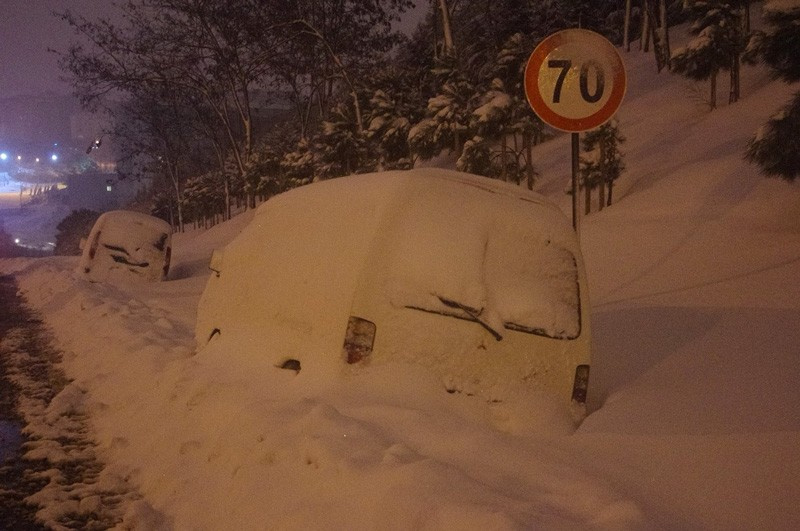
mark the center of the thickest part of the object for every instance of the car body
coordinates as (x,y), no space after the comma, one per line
(480,281)
(126,246)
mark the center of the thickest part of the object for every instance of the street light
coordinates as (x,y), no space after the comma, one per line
(4,156)
(94,145)
(54,157)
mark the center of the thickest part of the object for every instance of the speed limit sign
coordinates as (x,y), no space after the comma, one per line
(575,80)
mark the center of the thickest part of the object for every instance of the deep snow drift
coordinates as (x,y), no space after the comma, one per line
(696,415)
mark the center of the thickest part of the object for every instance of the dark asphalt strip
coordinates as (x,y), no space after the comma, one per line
(17,475)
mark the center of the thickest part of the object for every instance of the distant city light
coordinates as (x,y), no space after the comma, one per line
(37,159)
(16,240)
(19,157)
(4,156)
(54,157)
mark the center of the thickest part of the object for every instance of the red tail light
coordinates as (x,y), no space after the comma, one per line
(358,339)
(581,385)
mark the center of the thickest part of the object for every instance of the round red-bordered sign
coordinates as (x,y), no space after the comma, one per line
(575,80)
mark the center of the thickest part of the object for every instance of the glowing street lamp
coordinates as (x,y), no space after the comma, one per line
(54,157)
(4,156)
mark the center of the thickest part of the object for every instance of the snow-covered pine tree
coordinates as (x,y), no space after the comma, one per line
(491,120)
(505,128)
(263,172)
(602,164)
(448,114)
(70,230)
(476,157)
(340,144)
(718,43)
(776,146)
(387,131)
(203,201)
(298,164)
(522,127)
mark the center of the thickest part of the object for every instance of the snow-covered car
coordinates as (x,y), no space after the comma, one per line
(477,280)
(124,246)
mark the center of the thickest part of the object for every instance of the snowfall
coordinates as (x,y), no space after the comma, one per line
(693,412)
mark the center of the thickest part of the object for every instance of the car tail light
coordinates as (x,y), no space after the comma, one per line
(358,339)
(581,385)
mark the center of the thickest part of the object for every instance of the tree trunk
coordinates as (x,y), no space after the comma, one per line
(666,53)
(227,189)
(449,46)
(712,98)
(626,31)
(610,192)
(587,190)
(342,70)
(529,160)
(604,156)
(226,182)
(734,93)
(644,42)
(658,46)
(178,198)
(503,161)
(746,17)
(601,195)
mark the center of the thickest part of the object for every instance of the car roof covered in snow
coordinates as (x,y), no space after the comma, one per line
(294,269)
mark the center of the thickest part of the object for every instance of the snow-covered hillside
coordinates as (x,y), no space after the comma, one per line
(695,413)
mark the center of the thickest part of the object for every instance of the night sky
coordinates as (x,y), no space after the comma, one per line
(27,30)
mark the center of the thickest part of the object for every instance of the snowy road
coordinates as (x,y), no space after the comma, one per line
(48,467)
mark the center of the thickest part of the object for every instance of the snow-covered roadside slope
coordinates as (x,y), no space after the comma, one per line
(696,319)
(695,311)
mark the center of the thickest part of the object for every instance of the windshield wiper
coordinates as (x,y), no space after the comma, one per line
(473,313)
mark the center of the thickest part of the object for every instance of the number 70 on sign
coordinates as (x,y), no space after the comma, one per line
(575,80)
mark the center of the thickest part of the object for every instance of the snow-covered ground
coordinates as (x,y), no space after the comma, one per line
(695,412)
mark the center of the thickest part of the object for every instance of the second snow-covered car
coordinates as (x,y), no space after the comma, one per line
(126,246)
(479,281)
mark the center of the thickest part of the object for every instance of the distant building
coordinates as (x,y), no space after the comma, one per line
(100,191)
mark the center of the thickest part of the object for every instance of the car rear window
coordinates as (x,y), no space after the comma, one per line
(491,263)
